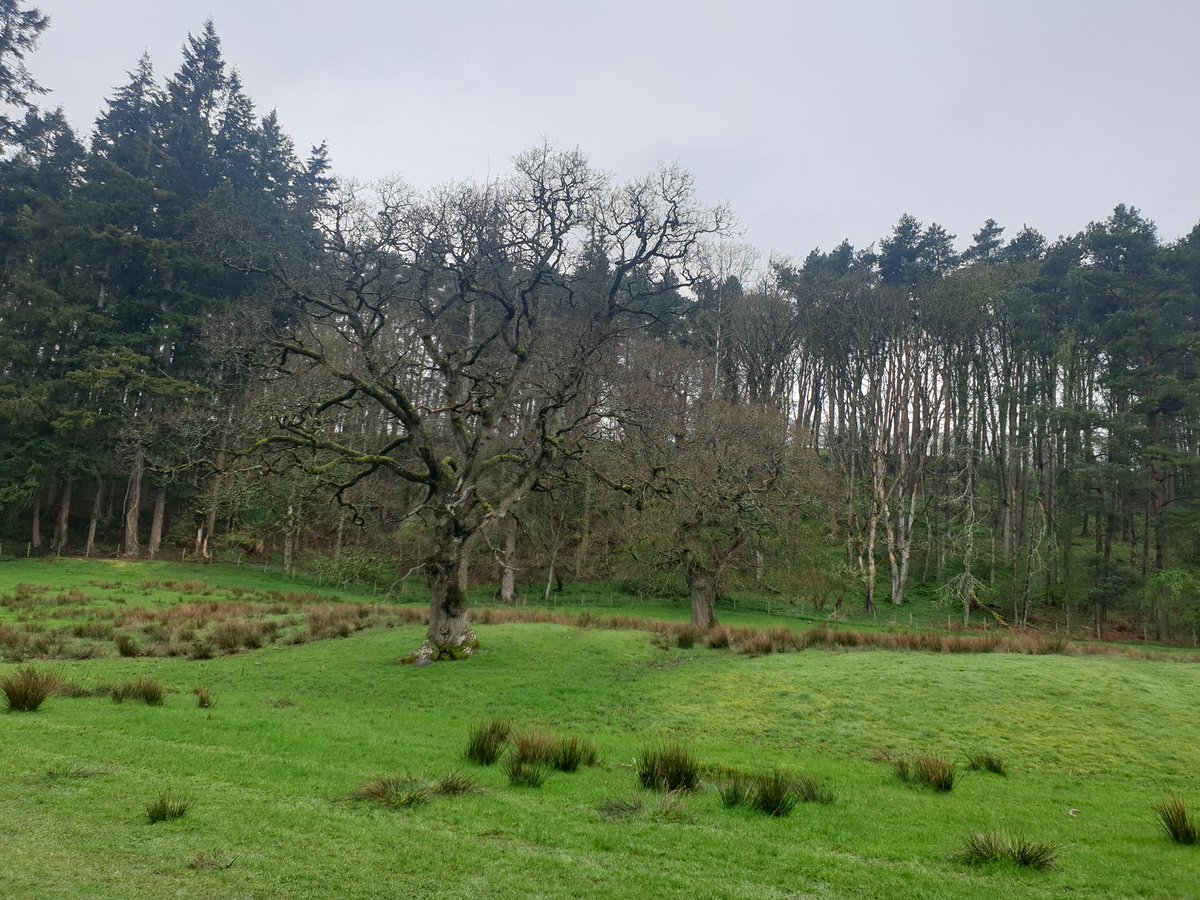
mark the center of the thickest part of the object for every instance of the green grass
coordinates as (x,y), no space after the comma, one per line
(302,727)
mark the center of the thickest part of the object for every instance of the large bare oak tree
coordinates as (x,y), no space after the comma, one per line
(474,326)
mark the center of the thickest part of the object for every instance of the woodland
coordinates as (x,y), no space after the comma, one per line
(211,347)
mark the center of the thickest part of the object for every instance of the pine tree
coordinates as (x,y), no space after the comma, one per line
(20,28)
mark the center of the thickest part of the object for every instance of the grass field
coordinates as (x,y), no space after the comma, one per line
(300,723)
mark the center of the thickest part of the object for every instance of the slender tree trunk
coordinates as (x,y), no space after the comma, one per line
(549,578)
(35,528)
(218,476)
(289,537)
(1162,621)
(156,521)
(703,588)
(508,579)
(133,504)
(94,519)
(900,544)
(64,517)
(585,528)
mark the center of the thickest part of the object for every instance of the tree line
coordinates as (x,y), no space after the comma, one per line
(210,344)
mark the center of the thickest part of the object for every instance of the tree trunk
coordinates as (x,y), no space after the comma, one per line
(35,529)
(133,505)
(156,521)
(97,504)
(871,527)
(289,538)
(585,528)
(214,493)
(450,635)
(703,587)
(508,580)
(64,517)
(1162,622)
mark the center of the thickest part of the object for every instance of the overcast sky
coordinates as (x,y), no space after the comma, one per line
(815,121)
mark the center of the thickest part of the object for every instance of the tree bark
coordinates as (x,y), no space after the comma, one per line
(156,521)
(508,580)
(703,587)
(1162,622)
(289,537)
(585,527)
(133,505)
(94,519)
(64,517)
(214,492)
(35,529)
(450,634)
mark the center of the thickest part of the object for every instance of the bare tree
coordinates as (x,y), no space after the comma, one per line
(474,321)
(707,476)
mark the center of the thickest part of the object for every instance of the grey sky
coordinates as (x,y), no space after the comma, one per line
(814,120)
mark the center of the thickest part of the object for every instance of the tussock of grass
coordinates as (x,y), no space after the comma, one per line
(26,689)
(983,847)
(1175,821)
(95,630)
(734,789)
(534,746)
(717,637)
(757,644)
(1031,854)
(148,690)
(166,808)
(523,773)
(774,794)
(234,634)
(326,622)
(985,761)
(486,741)
(395,791)
(669,766)
(570,752)
(810,790)
(204,698)
(455,784)
(928,771)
